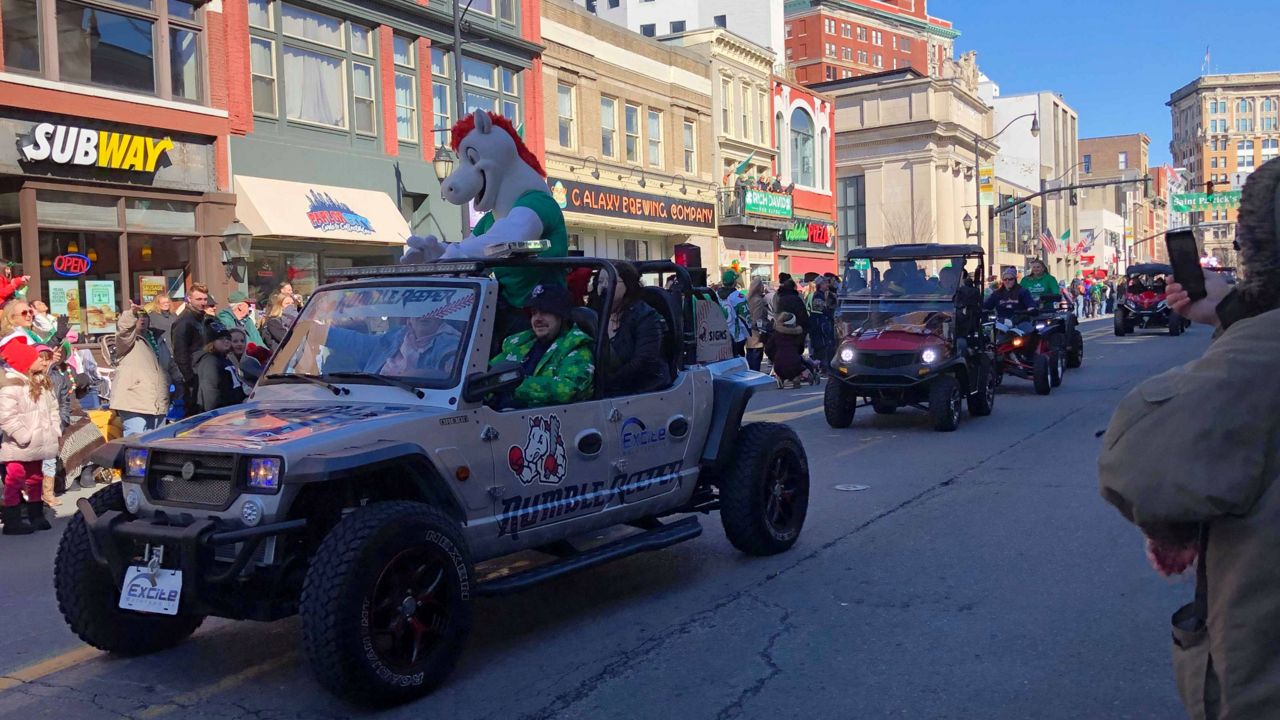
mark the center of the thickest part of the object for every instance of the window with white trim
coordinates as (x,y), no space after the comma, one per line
(744,130)
(608,127)
(405,60)
(655,138)
(1270,149)
(802,148)
(631,128)
(726,106)
(846,54)
(877,37)
(690,147)
(564,114)
(1244,154)
(877,60)
(830,49)
(862,34)
(846,30)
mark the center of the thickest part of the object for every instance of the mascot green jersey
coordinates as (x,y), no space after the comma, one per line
(499,174)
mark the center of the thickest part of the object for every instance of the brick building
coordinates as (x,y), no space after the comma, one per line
(1124,157)
(838,39)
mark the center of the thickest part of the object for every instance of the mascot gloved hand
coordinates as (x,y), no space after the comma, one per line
(422,249)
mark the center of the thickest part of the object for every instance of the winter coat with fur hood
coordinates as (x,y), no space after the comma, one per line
(30,425)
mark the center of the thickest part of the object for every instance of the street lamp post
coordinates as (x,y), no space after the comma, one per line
(977,177)
(458,13)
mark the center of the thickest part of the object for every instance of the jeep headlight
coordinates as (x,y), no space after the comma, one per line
(846,354)
(264,475)
(135,464)
(929,356)
(1041,326)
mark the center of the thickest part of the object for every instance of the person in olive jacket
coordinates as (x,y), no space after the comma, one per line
(636,332)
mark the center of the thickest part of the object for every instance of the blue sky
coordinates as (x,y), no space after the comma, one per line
(1115,61)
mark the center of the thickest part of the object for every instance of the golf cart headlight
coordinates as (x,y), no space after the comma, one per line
(132,499)
(846,354)
(264,474)
(1017,342)
(135,463)
(929,356)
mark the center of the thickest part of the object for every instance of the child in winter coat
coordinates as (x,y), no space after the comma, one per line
(29,420)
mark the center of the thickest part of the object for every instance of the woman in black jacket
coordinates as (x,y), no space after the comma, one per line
(281,312)
(219,378)
(636,332)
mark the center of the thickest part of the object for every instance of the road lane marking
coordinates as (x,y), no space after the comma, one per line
(65,661)
(201,694)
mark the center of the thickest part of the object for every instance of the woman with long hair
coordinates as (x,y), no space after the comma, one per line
(29,421)
(219,377)
(282,310)
(636,332)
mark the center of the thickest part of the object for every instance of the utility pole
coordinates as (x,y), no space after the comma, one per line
(458,105)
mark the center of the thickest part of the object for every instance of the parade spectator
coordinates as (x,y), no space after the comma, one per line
(190,336)
(162,315)
(239,344)
(10,285)
(737,316)
(822,313)
(636,331)
(556,356)
(281,312)
(758,314)
(239,314)
(18,319)
(63,384)
(789,300)
(218,379)
(140,391)
(785,348)
(1213,500)
(29,421)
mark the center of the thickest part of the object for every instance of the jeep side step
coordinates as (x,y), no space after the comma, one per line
(661,537)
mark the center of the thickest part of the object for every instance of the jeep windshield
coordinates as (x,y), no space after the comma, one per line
(409,334)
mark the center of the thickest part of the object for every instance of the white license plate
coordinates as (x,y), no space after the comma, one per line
(148,592)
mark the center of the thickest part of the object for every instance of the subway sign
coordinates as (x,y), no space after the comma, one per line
(72,145)
(573,196)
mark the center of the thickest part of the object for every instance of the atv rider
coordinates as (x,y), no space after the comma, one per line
(1010,299)
(1043,286)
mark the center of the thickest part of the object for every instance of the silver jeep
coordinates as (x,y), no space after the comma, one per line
(359,487)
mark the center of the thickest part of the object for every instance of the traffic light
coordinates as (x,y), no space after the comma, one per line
(1208,187)
(1075,199)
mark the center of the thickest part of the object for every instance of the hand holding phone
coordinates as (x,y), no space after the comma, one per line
(1184,256)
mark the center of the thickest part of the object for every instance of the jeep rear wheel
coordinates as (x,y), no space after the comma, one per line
(944,403)
(386,605)
(764,494)
(89,598)
(839,403)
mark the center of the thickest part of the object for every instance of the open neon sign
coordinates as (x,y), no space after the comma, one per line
(71,264)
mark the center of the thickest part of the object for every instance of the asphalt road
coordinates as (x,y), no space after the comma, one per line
(979,575)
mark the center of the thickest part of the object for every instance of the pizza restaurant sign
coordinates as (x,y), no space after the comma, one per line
(590,199)
(810,236)
(72,145)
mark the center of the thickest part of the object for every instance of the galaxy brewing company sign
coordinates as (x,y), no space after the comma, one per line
(612,202)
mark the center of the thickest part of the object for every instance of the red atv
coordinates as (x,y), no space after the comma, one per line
(1143,306)
(1024,349)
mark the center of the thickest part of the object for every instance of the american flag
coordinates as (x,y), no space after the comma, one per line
(1046,240)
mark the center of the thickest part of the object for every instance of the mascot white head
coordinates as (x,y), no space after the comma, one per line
(494,169)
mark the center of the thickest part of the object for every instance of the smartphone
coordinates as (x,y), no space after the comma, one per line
(1184,256)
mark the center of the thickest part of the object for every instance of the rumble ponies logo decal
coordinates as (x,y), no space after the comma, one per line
(542,458)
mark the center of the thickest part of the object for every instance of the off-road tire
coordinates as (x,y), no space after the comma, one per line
(944,403)
(884,407)
(1057,367)
(336,595)
(1075,353)
(1040,374)
(983,399)
(748,483)
(89,598)
(1120,322)
(839,403)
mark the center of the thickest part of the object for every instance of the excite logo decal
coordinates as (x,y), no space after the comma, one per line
(635,435)
(330,215)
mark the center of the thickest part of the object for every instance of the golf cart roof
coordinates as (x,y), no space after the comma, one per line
(915,251)
(1149,269)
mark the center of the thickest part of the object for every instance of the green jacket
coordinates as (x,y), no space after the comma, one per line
(564,373)
(1039,287)
(250,328)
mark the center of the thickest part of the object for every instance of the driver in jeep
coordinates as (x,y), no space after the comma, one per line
(555,355)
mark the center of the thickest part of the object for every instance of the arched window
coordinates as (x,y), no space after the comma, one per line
(1242,106)
(802,148)
(779,136)
(824,160)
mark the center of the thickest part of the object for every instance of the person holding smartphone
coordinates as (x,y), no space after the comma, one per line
(1210,498)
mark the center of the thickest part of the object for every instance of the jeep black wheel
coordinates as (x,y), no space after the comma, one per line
(1120,321)
(1057,367)
(839,403)
(1075,354)
(884,407)
(386,604)
(983,398)
(1040,374)
(764,495)
(945,398)
(89,598)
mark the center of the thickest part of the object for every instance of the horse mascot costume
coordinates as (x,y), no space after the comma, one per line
(497,172)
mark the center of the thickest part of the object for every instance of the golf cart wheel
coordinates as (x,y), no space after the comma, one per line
(764,493)
(89,598)
(1040,374)
(1075,354)
(983,400)
(945,398)
(884,407)
(1121,322)
(839,403)
(386,604)
(1057,367)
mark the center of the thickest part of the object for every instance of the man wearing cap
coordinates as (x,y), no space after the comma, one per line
(736,311)
(555,355)
(240,315)
(1010,298)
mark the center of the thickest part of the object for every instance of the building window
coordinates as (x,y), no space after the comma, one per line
(762,115)
(1213,162)
(262,66)
(904,44)
(745,129)
(1268,124)
(831,49)
(877,60)
(608,127)
(778,136)
(1244,154)
(802,148)
(1244,106)
(110,44)
(830,73)
(1270,149)
(862,56)
(649,29)
(721,21)
(1244,124)
(824,170)
(1122,161)
(788,30)
(487,86)
(846,30)
(851,212)
(862,34)
(877,37)
(829,26)
(564,111)
(690,147)
(846,54)
(631,123)
(726,106)
(655,138)
(677,26)
(404,57)
(846,74)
